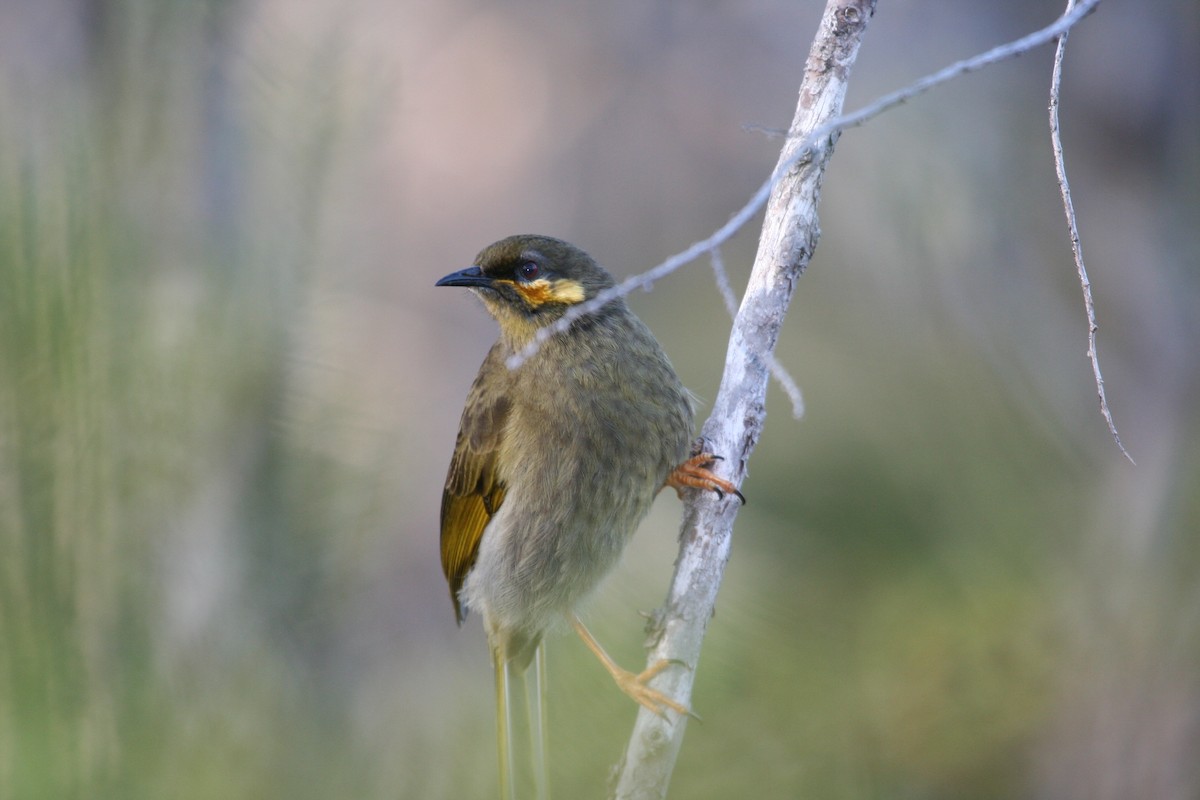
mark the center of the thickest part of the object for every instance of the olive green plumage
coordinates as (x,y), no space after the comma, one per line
(557,461)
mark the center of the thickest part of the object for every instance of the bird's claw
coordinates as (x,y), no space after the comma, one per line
(637,687)
(695,473)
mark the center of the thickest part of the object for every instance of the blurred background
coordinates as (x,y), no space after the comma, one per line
(229,392)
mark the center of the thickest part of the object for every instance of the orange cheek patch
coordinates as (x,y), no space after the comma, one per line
(567,292)
(538,293)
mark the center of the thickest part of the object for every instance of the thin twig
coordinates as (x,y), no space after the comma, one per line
(625,287)
(1060,167)
(786,382)
(1002,52)
(759,198)
(722,279)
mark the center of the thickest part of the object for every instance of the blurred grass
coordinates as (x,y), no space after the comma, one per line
(226,405)
(139,348)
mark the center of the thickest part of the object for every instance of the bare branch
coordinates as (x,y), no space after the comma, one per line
(833,126)
(999,53)
(789,236)
(1060,167)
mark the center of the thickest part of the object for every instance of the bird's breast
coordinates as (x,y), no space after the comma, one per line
(593,430)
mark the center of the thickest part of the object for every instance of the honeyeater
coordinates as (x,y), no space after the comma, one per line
(558,459)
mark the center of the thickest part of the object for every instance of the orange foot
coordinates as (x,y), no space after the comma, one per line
(695,474)
(636,687)
(633,685)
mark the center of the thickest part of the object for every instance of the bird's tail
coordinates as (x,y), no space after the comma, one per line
(521,726)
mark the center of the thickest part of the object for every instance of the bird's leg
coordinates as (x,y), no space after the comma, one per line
(695,473)
(521,727)
(629,683)
(504,725)
(536,696)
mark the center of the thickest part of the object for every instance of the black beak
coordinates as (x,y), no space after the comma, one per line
(471,276)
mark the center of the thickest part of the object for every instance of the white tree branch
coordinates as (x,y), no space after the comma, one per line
(788,239)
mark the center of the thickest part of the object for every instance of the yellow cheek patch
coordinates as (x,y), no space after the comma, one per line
(537,293)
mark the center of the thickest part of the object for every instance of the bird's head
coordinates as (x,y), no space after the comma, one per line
(529,281)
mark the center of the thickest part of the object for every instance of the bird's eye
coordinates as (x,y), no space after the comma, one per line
(529,270)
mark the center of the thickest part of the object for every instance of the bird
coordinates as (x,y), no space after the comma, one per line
(555,464)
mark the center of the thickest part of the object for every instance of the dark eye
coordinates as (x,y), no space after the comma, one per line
(529,270)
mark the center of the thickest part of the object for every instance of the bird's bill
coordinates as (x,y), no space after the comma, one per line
(471,276)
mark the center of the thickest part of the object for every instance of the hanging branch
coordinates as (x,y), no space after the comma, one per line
(1060,168)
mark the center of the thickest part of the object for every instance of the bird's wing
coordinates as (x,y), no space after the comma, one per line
(474,490)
